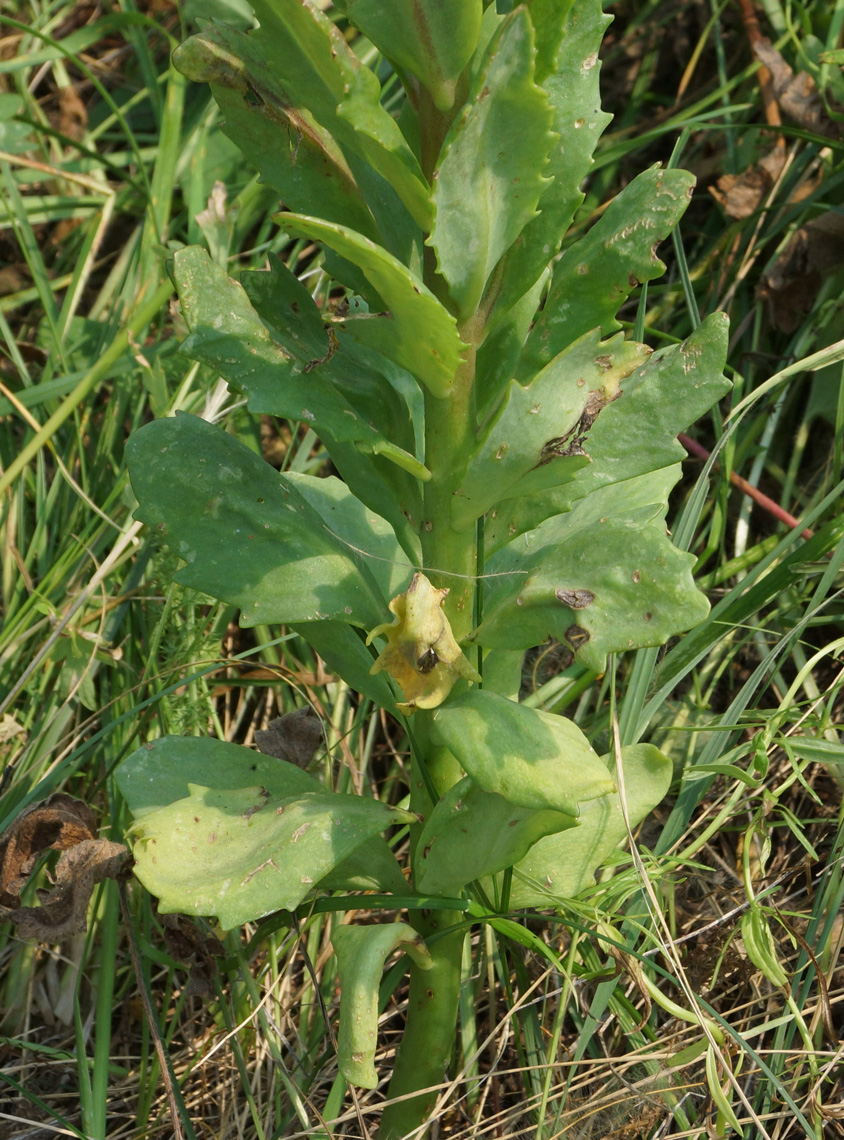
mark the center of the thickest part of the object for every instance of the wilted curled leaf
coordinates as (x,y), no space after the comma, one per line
(65,824)
(421,653)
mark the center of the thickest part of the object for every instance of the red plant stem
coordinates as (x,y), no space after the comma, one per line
(754,493)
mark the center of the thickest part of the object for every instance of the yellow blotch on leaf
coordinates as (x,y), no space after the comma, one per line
(421,653)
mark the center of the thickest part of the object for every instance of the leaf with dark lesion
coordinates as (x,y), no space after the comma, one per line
(60,823)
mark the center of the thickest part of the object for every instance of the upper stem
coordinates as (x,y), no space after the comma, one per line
(449,556)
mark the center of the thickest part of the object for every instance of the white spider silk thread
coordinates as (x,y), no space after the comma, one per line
(423,569)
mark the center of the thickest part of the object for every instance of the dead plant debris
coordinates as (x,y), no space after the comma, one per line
(61,823)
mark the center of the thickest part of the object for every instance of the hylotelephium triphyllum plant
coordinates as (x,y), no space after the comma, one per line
(505,458)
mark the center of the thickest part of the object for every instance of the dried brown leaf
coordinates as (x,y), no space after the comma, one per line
(58,823)
(813,252)
(64,824)
(294,737)
(188,944)
(63,908)
(797,95)
(741,195)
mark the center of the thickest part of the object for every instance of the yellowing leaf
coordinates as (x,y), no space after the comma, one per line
(421,653)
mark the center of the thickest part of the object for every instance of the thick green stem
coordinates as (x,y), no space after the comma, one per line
(450,557)
(428,1039)
(450,561)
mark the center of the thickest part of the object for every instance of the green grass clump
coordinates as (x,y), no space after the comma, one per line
(639,1011)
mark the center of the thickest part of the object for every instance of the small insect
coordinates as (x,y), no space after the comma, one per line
(427,661)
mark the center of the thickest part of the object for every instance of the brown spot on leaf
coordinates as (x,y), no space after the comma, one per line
(575,599)
(264,795)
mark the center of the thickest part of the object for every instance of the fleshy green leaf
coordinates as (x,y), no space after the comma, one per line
(294,153)
(300,104)
(227,334)
(505,336)
(370,867)
(636,433)
(361,953)
(384,396)
(384,488)
(365,384)
(561,866)
(472,833)
(158,774)
(431,41)
(419,334)
(536,439)
(603,578)
(593,278)
(283,548)
(345,96)
(490,176)
(531,758)
(572,85)
(345,653)
(243,853)
(285,306)
(549,18)
(382,142)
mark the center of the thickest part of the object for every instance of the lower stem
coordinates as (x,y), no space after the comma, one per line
(429,1035)
(427,1043)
